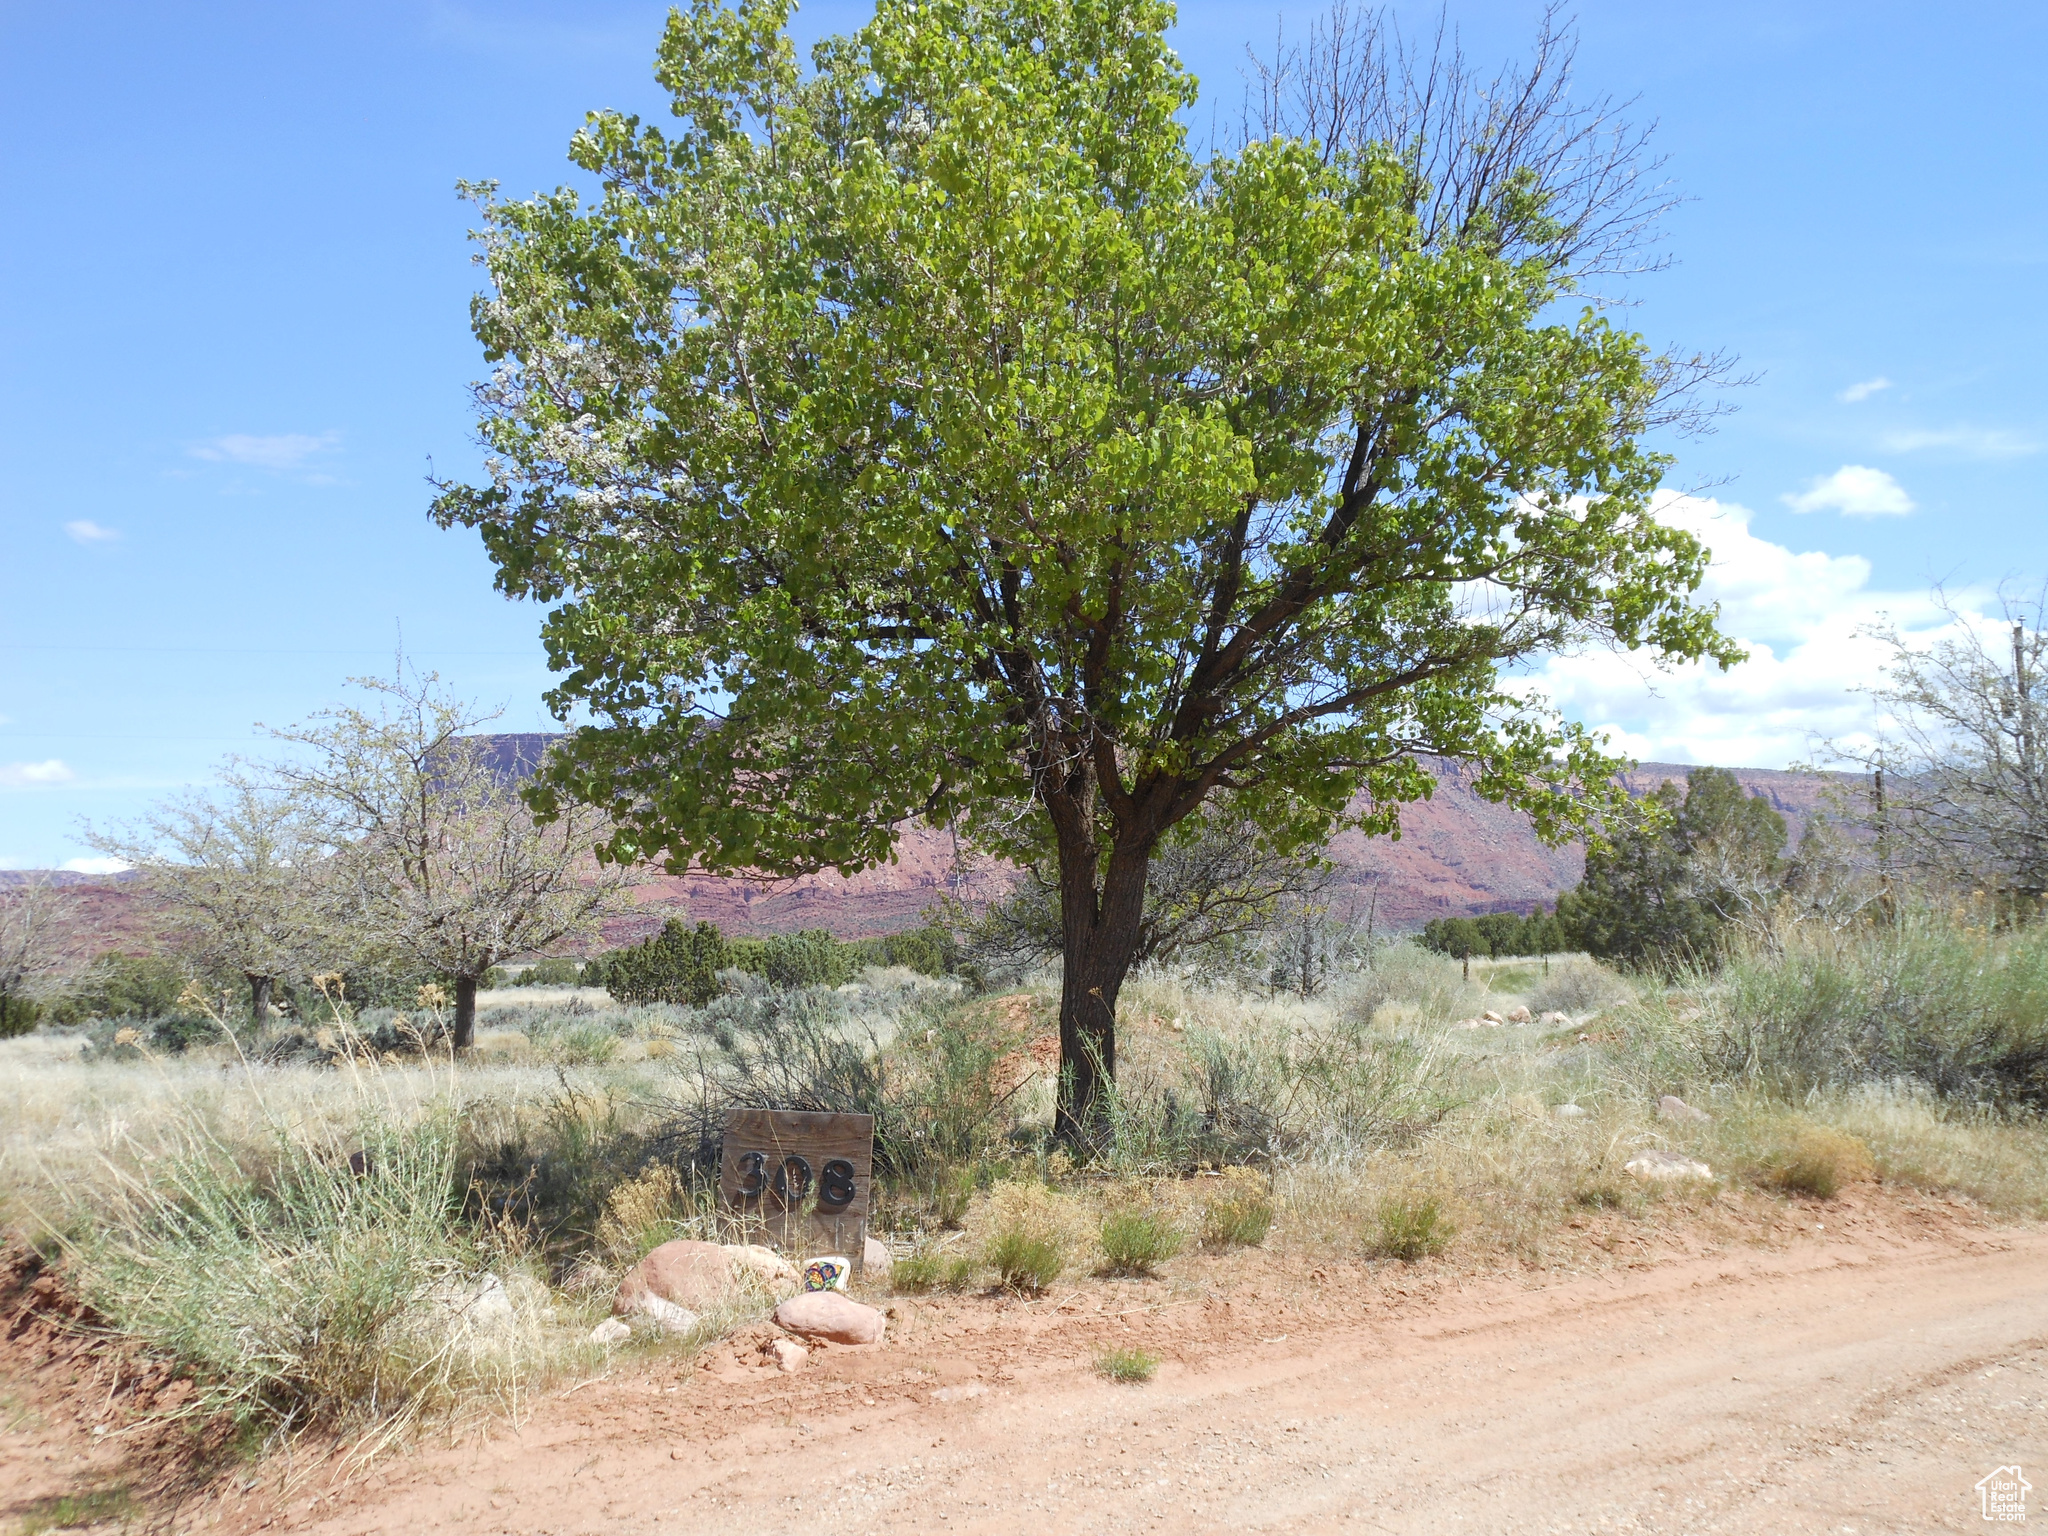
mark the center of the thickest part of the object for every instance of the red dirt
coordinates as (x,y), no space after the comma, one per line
(1854,1366)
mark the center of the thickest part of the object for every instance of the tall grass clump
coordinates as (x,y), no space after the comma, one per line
(1577,984)
(1407,983)
(1238,1213)
(1927,998)
(1029,1234)
(1136,1241)
(1410,1226)
(336,1284)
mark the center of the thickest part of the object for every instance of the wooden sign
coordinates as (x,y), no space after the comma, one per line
(802,1179)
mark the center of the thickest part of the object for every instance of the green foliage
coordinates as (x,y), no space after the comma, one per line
(680,964)
(78,1511)
(307,1292)
(930,951)
(549,973)
(1026,1262)
(1675,871)
(894,405)
(1131,1366)
(124,987)
(1410,1227)
(1496,934)
(930,1268)
(1136,1242)
(811,958)
(18,1014)
(1962,1009)
(917,1273)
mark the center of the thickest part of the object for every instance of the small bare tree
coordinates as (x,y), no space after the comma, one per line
(438,860)
(38,947)
(1959,771)
(241,872)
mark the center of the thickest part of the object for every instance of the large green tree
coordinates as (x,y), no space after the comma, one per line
(935,433)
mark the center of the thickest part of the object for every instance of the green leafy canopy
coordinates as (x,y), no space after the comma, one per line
(931,432)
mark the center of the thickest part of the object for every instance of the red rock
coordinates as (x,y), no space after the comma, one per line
(692,1275)
(829,1315)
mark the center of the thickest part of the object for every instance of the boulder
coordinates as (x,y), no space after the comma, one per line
(1517,1015)
(876,1259)
(689,1275)
(771,1268)
(658,1316)
(1661,1167)
(1672,1107)
(787,1354)
(1492,1018)
(613,1330)
(1570,1112)
(1554,1017)
(829,1315)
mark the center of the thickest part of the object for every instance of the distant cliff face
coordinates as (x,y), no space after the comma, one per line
(1457,856)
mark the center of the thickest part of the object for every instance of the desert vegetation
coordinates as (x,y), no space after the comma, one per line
(369,1140)
(374,1238)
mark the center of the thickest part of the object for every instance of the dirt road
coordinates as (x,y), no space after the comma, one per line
(1829,1386)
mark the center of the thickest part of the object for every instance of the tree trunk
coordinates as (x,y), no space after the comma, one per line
(1100,932)
(465,1012)
(259,1000)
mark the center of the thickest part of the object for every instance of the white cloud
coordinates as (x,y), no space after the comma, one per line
(1864,390)
(35,775)
(88,532)
(1854,490)
(290,450)
(1797,612)
(1968,442)
(95,866)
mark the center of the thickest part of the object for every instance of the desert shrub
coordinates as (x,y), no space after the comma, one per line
(1409,1227)
(1025,1262)
(1928,998)
(18,1014)
(656,1206)
(930,951)
(1137,1242)
(553,972)
(930,1195)
(811,958)
(1027,1235)
(1131,1366)
(136,988)
(1431,988)
(917,1272)
(679,964)
(1239,1213)
(1818,1160)
(1577,984)
(928,1268)
(314,1289)
(1274,1088)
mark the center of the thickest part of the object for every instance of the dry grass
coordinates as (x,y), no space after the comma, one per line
(1373,1131)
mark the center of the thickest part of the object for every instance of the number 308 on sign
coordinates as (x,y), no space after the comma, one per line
(791,1180)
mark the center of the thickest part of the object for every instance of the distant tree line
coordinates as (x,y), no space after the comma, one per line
(683,964)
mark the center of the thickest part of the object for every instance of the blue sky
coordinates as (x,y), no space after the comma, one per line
(235,339)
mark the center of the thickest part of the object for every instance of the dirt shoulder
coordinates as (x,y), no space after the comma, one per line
(1857,1365)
